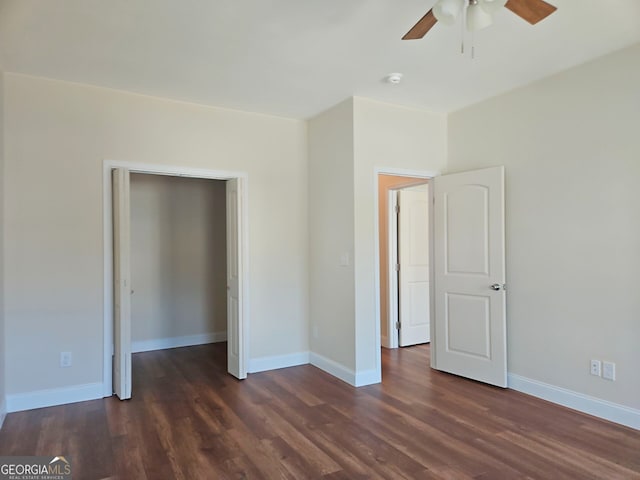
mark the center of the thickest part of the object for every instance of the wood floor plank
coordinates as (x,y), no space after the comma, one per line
(189,419)
(128,459)
(255,451)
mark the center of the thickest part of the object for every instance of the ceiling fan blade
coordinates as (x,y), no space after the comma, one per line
(531,10)
(421,28)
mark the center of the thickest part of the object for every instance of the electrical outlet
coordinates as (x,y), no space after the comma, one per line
(596,367)
(609,370)
(65,359)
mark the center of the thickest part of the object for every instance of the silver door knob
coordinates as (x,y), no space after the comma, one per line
(498,286)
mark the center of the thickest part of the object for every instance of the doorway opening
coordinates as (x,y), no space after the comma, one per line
(403,229)
(175,252)
(178,262)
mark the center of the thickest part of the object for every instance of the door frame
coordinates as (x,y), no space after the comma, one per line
(393,291)
(174,171)
(392,259)
(427,175)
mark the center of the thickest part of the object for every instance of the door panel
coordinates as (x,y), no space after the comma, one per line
(469,257)
(235,362)
(467,230)
(468,325)
(413,257)
(121,284)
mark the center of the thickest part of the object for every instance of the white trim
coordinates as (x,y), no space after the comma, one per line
(432,278)
(392,257)
(262,364)
(368,377)
(3,411)
(54,396)
(174,171)
(176,342)
(404,172)
(376,282)
(107,256)
(333,368)
(178,171)
(613,412)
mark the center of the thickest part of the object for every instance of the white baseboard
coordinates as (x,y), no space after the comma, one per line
(274,362)
(613,412)
(333,368)
(359,379)
(368,377)
(3,411)
(175,342)
(345,374)
(54,396)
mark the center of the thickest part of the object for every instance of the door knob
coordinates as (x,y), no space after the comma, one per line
(498,286)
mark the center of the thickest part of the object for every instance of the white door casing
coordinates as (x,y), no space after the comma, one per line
(413,259)
(469,275)
(113,344)
(235,361)
(121,284)
(392,257)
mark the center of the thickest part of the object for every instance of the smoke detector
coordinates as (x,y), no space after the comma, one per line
(393,78)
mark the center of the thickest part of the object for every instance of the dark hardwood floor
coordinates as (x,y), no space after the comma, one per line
(188,419)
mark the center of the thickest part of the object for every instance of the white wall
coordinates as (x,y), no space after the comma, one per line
(346,145)
(2,327)
(331,295)
(57,136)
(178,257)
(571,154)
(571,148)
(385,136)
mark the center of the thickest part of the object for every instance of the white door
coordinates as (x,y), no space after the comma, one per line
(469,271)
(121,284)
(413,260)
(235,340)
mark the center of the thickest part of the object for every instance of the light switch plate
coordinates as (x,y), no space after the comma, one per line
(609,370)
(65,359)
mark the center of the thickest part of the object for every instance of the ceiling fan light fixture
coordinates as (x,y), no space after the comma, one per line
(447,11)
(477,18)
(492,6)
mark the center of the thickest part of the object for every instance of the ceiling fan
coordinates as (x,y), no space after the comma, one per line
(478,13)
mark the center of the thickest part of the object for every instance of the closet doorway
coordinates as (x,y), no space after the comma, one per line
(175,250)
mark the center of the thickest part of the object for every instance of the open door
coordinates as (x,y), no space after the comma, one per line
(413,260)
(235,361)
(469,271)
(121,284)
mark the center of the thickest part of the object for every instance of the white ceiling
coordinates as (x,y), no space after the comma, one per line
(298,57)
